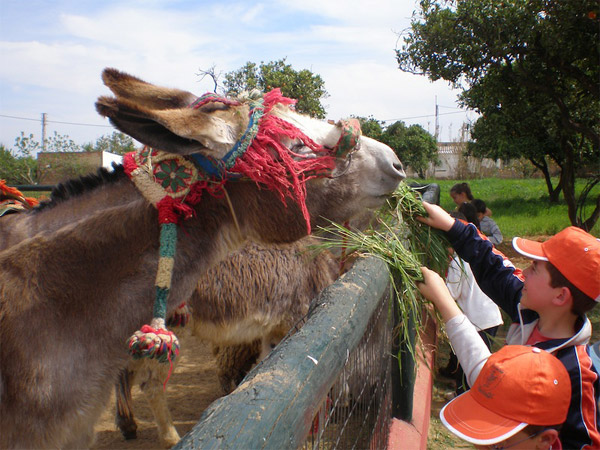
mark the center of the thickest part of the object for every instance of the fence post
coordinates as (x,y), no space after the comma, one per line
(403,367)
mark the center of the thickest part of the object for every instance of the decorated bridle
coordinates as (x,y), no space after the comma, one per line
(175,183)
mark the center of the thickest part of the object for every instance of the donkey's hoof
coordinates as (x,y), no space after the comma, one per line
(129,434)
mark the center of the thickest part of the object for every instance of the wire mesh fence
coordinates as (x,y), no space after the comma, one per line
(356,412)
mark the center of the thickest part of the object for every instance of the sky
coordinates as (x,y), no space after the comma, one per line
(52,53)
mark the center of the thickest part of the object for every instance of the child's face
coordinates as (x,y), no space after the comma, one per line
(537,292)
(524,441)
(459,199)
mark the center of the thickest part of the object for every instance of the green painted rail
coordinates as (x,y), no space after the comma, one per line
(274,406)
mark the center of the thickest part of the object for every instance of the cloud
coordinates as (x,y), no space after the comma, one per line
(55,65)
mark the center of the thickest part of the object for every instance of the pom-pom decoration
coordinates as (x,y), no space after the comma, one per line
(154,341)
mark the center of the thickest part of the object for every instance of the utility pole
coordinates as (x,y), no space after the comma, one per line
(437,124)
(44,132)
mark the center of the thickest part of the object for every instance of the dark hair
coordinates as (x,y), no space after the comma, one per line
(460,188)
(479,205)
(582,303)
(457,215)
(539,429)
(470,213)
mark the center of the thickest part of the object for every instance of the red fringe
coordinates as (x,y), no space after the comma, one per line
(129,163)
(171,210)
(268,162)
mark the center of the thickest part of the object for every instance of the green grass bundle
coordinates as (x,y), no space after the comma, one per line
(404,244)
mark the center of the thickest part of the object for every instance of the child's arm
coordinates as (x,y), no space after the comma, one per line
(495,274)
(434,289)
(437,217)
(470,349)
(495,233)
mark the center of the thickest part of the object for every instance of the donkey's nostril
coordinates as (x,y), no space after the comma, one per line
(400,169)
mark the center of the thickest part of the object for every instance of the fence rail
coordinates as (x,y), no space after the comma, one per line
(275,405)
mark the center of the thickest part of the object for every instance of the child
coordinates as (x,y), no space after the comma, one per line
(482,312)
(461,193)
(468,210)
(520,397)
(547,303)
(487,225)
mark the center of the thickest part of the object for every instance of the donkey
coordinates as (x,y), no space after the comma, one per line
(78,274)
(243,306)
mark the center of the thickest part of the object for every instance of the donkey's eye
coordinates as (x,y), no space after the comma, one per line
(297,147)
(300,149)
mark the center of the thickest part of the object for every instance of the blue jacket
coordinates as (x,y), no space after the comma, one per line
(502,282)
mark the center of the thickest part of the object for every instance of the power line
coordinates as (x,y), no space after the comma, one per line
(422,117)
(109,126)
(56,121)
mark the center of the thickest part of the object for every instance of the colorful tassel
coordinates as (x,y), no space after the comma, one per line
(173,184)
(154,341)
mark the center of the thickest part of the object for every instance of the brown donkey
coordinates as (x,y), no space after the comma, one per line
(78,274)
(242,306)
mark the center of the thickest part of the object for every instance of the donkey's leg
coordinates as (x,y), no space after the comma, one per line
(79,431)
(154,390)
(124,416)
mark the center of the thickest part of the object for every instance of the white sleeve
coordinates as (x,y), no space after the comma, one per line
(471,351)
(453,279)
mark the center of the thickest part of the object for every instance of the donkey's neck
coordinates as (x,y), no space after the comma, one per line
(98,265)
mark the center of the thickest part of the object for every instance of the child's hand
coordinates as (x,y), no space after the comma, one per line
(433,288)
(438,218)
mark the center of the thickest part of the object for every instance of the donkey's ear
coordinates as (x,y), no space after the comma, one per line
(142,93)
(181,131)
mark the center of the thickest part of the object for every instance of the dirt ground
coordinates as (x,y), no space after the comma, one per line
(192,387)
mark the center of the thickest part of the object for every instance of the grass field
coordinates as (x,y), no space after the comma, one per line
(520,206)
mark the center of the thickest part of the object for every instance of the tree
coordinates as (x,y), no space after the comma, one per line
(61,143)
(516,123)
(371,127)
(17,169)
(519,57)
(415,147)
(117,143)
(302,85)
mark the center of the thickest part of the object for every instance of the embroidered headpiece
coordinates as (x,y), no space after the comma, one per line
(174,184)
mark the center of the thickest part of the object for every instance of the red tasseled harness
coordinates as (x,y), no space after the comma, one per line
(174,184)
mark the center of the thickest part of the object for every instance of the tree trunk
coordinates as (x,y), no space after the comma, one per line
(588,224)
(553,193)
(568,179)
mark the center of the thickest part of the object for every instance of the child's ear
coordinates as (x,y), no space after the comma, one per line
(564,297)
(546,439)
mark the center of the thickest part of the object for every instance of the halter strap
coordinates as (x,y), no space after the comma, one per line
(349,138)
(174,183)
(218,168)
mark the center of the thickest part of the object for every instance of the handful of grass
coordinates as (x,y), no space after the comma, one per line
(404,244)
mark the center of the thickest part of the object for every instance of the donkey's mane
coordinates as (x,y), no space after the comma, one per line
(77,186)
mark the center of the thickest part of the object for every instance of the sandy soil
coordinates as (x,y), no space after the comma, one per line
(192,387)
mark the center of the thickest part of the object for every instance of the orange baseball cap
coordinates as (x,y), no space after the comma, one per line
(517,386)
(575,253)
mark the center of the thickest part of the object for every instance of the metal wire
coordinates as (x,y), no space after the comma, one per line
(356,412)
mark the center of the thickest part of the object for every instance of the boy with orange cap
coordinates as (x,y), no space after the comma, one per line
(519,400)
(547,303)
